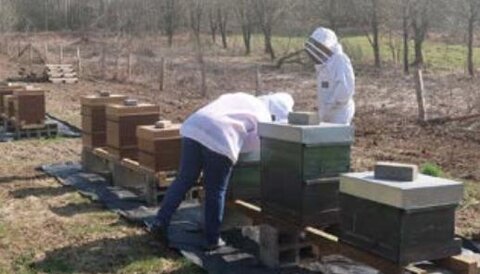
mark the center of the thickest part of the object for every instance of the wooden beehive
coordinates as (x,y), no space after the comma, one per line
(94,119)
(159,148)
(4,91)
(28,108)
(122,123)
(404,222)
(300,168)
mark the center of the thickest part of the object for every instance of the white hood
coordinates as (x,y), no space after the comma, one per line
(279,104)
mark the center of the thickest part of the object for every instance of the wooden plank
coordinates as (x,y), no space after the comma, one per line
(63,80)
(461,264)
(415,270)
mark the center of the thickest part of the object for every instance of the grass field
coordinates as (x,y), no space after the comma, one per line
(438,56)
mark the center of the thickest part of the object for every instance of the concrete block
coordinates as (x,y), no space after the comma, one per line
(396,172)
(322,134)
(425,192)
(303,118)
(163,124)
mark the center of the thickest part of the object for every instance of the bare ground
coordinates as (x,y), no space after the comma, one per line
(47,228)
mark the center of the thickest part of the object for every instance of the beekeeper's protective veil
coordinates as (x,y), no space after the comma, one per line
(335,77)
(279,104)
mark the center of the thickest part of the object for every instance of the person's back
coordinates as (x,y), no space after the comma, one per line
(226,123)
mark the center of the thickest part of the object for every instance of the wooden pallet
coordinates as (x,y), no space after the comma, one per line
(328,244)
(130,174)
(47,130)
(61,73)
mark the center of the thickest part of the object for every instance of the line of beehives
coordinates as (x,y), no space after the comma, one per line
(22,110)
(298,181)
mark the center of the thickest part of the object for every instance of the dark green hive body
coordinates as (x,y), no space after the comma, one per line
(245,182)
(300,182)
(399,235)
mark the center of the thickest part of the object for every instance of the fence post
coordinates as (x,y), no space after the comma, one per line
(61,54)
(162,74)
(129,69)
(79,63)
(46,52)
(420,91)
(258,80)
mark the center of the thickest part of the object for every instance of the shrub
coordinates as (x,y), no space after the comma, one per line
(431,170)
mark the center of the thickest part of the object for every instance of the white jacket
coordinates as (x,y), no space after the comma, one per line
(229,124)
(335,79)
(335,90)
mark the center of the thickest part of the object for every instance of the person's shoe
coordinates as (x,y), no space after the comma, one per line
(160,232)
(216,246)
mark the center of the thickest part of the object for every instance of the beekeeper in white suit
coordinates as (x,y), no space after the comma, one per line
(212,139)
(335,77)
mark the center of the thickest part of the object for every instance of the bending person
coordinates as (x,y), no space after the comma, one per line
(212,139)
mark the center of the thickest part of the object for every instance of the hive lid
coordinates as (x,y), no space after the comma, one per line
(152,132)
(323,133)
(139,109)
(98,100)
(425,191)
(29,90)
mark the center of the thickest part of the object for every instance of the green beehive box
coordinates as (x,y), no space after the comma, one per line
(245,179)
(300,168)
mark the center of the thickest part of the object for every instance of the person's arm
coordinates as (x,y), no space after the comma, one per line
(344,83)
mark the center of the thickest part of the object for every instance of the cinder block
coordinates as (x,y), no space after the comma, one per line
(396,172)
(426,191)
(303,118)
(282,248)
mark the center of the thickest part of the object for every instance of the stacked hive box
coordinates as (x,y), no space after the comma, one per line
(28,108)
(300,169)
(402,221)
(122,123)
(94,120)
(245,180)
(5,102)
(159,146)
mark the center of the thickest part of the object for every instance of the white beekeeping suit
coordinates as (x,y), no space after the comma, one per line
(229,125)
(335,77)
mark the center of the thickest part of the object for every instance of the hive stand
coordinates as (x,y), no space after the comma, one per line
(149,185)
(328,244)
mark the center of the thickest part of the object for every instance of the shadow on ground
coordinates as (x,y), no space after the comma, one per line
(73,209)
(135,254)
(11,179)
(40,191)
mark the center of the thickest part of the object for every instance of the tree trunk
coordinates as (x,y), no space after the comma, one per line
(268,42)
(471,23)
(406,66)
(419,60)
(247,34)
(376,34)
(332,13)
(222,24)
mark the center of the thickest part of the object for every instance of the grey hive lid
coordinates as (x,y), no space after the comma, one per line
(424,192)
(323,133)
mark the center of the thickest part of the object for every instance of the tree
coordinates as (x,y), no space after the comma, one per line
(405,28)
(367,12)
(245,16)
(470,11)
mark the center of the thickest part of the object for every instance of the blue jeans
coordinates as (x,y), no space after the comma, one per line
(216,172)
